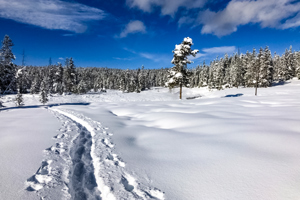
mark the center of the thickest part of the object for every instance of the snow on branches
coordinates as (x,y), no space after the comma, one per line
(178,74)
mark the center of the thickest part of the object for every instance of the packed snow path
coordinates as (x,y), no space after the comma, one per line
(82,165)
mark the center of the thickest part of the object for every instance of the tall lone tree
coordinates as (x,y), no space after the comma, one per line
(178,74)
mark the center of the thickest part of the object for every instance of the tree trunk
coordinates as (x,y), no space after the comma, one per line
(256,90)
(256,85)
(180,93)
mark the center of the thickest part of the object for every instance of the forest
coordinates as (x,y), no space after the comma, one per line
(252,69)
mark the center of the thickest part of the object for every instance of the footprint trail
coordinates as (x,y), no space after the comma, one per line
(82,165)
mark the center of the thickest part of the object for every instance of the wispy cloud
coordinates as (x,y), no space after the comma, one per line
(124,59)
(150,56)
(69,35)
(167,7)
(220,50)
(61,58)
(280,14)
(129,50)
(135,26)
(198,55)
(51,14)
(214,51)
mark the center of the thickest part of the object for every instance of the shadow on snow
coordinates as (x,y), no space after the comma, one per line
(41,106)
(234,95)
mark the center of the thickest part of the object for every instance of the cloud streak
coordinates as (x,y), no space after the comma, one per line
(214,51)
(220,50)
(51,14)
(149,56)
(135,26)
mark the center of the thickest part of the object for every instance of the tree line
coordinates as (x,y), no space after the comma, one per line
(255,69)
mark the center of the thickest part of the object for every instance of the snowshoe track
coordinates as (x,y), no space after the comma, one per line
(89,169)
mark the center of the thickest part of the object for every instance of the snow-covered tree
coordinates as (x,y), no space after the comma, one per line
(82,87)
(236,71)
(6,51)
(58,79)
(44,92)
(7,68)
(19,80)
(297,59)
(266,68)
(69,76)
(19,99)
(178,74)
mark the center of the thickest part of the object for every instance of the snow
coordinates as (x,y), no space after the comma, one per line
(188,40)
(178,75)
(225,144)
(105,190)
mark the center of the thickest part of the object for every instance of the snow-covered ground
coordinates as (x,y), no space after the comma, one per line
(225,144)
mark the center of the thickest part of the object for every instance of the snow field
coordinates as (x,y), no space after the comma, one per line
(225,144)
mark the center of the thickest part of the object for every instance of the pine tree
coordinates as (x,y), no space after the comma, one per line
(178,75)
(297,59)
(69,76)
(82,88)
(19,80)
(44,92)
(141,79)
(266,68)
(19,99)
(6,51)
(7,68)
(58,79)
(219,74)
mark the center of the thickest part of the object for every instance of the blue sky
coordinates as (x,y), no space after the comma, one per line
(132,33)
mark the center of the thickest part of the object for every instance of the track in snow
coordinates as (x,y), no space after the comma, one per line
(89,169)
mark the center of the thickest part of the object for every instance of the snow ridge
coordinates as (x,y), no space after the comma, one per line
(107,169)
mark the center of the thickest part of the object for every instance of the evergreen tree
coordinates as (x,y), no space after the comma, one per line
(44,92)
(219,74)
(58,79)
(19,99)
(236,71)
(69,76)
(6,51)
(82,87)
(266,68)
(297,59)
(7,68)
(36,83)
(178,75)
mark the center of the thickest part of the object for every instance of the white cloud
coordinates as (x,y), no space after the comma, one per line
(198,55)
(50,14)
(156,57)
(220,50)
(61,58)
(133,27)
(150,56)
(267,13)
(292,23)
(168,7)
(124,59)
